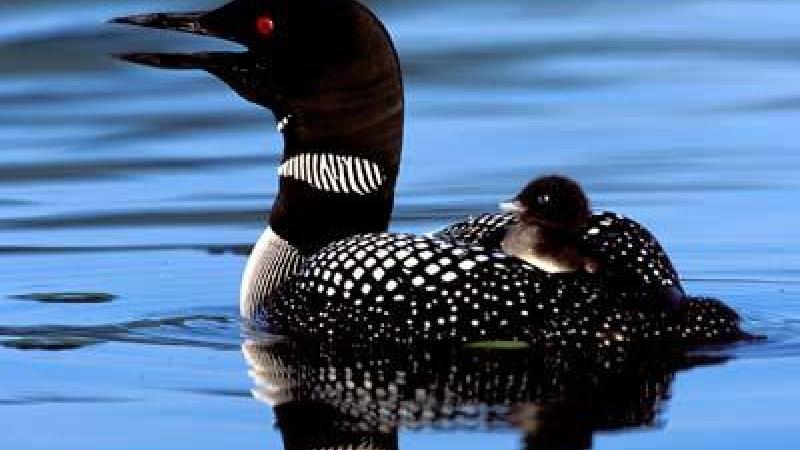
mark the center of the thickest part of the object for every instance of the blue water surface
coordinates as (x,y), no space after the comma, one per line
(129,196)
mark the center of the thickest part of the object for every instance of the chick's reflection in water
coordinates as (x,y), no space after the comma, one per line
(359,396)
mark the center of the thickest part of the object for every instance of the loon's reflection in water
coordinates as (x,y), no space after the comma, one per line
(358,396)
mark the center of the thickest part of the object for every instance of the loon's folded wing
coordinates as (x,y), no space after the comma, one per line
(624,247)
(486,230)
(630,256)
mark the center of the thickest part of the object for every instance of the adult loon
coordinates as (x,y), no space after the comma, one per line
(327,267)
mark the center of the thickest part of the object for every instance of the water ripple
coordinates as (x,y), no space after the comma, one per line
(66,297)
(55,399)
(83,170)
(214,332)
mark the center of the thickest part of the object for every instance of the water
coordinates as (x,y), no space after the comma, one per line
(129,195)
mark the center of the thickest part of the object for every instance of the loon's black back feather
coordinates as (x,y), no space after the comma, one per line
(632,262)
(456,286)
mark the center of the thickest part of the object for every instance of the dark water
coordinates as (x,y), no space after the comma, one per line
(128,196)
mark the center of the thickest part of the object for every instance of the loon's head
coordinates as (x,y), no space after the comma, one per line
(329,72)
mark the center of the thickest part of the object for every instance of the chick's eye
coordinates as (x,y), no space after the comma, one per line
(265,25)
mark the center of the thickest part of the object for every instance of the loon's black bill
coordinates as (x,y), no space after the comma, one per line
(176,60)
(184,22)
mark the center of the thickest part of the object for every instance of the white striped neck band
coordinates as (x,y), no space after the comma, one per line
(335,173)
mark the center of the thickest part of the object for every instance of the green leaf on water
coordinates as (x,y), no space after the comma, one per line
(498,345)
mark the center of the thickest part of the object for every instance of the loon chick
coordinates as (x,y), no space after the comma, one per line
(329,72)
(550,212)
(550,231)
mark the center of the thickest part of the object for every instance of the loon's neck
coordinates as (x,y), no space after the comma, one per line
(342,140)
(340,165)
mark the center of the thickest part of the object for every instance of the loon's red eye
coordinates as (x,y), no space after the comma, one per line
(265,25)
